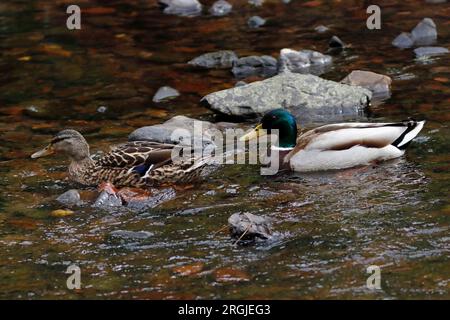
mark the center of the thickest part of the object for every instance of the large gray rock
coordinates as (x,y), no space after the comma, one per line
(303,61)
(308,97)
(181,7)
(264,66)
(218,59)
(164,133)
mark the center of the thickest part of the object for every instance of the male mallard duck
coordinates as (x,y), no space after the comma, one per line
(133,164)
(335,146)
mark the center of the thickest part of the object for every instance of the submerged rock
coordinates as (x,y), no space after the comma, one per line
(425,32)
(321,29)
(377,83)
(161,196)
(220,8)
(264,66)
(303,61)
(181,7)
(336,43)
(69,198)
(165,93)
(403,41)
(218,59)
(423,52)
(249,226)
(165,132)
(256,22)
(256,3)
(131,235)
(308,97)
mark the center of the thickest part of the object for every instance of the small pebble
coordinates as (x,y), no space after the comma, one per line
(102,109)
(165,93)
(321,29)
(61,213)
(220,8)
(403,40)
(430,51)
(256,22)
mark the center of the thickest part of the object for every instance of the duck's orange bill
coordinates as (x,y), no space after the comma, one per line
(255,133)
(48,150)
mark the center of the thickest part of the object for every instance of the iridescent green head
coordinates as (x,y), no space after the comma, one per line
(278,119)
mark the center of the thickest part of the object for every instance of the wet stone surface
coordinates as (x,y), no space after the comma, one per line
(219,59)
(379,84)
(303,61)
(424,33)
(308,97)
(264,66)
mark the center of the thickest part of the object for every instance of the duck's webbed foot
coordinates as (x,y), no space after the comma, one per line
(183,187)
(128,194)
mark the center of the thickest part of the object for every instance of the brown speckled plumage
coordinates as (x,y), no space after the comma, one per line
(133,164)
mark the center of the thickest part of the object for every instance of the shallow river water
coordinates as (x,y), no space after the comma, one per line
(330,226)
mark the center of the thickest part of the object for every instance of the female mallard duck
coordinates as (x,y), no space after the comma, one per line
(133,164)
(335,146)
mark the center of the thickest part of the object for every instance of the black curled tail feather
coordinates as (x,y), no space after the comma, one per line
(413,128)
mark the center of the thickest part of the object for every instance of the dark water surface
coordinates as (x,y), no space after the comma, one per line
(331,226)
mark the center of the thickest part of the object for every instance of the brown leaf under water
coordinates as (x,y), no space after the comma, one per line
(24,223)
(441,79)
(54,50)
(189,269)
(231,275)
